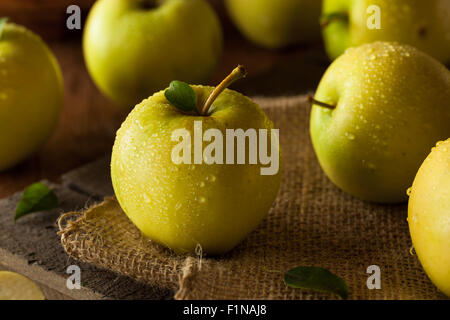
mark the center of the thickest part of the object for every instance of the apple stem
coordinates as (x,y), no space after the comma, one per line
(238,73)
(335,16)
(311,100)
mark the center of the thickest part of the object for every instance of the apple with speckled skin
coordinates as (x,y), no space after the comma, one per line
(377,112)
(429,215)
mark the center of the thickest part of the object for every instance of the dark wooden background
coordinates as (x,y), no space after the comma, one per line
(89,121)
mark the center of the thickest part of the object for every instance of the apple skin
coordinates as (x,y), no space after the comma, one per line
(276,24)
(14,286)
(392,105)
(180,206)
(31,94)
(429,215)
(422,24)
(132,51)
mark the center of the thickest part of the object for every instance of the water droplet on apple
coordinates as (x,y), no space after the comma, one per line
(146,198)
(202,200)
(201,184)
(212,178)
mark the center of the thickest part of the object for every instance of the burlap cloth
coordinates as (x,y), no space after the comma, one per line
(312,223)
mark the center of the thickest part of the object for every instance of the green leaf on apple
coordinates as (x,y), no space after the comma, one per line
(181,95)
(2,24)
(317,279)
(37,197)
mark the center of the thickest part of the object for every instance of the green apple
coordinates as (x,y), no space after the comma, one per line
(429,215)
(423,24)
(378,110)
(182,205)
(276,24)
(134,48)
(14,286)
(31,94)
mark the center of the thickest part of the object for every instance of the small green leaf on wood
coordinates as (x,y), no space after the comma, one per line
(2,24)
(181,95)
(37,197)
(317,279)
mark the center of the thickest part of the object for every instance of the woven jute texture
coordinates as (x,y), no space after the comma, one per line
(312,223)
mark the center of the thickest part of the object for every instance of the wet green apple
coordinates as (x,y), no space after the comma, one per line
(277,24)
(422,24)
(183,205)
(134,48)
(31,94)
(429,215)
(378,110)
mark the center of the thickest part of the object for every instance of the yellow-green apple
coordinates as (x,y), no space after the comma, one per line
(429,215)
(276,24)
(206,199)
(378,110)
(423,24)
(134,48)
(14,286)
(31,93)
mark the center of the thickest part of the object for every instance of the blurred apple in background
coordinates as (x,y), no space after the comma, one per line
(31,94)
(423,24)
(387,105)
(134,48)
(276,24)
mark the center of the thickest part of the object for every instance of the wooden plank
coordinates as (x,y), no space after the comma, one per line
(92,180)
(31,247)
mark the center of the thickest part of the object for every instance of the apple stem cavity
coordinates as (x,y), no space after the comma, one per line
(238,73)
(326,19)
(312,101)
